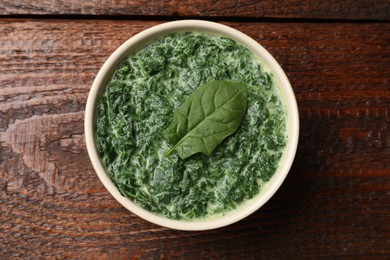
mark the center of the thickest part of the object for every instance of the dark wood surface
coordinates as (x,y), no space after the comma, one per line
(319,9)
(335,202)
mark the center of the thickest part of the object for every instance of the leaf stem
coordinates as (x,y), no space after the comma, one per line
(169,152)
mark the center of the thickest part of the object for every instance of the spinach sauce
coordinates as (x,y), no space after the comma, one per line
(137,106)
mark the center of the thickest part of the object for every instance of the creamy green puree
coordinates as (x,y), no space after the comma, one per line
(138,105)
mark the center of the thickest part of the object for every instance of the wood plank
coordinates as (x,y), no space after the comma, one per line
(332,9)
(334,203)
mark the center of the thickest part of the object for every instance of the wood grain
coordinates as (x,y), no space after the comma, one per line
(334,203)
(331,9)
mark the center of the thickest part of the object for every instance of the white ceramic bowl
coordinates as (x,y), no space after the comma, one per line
(139,41)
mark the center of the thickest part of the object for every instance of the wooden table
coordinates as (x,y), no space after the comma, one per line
(335,201)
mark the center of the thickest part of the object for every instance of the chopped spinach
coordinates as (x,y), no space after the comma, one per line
(137,106)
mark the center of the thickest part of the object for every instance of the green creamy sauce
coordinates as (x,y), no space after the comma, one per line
(138,105)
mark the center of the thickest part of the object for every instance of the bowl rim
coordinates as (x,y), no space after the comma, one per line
(266,58)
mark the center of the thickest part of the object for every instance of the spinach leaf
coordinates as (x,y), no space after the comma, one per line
(210,114)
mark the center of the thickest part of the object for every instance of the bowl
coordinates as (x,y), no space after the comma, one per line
(139,41)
